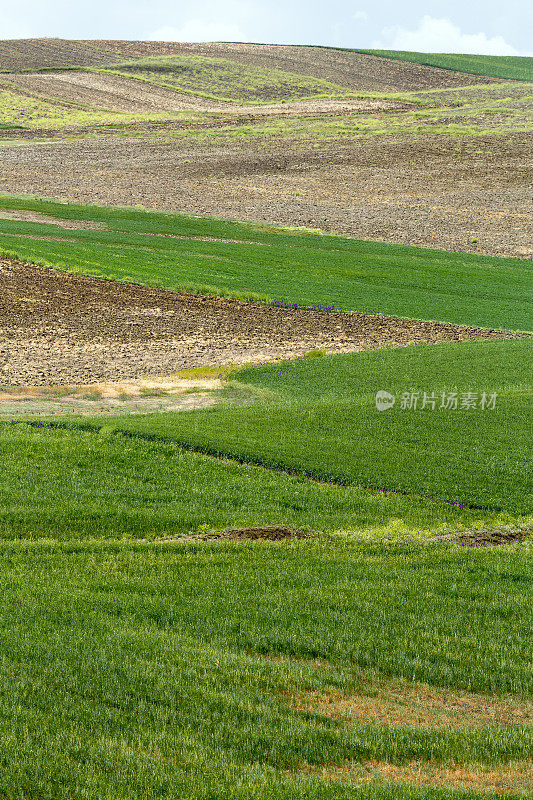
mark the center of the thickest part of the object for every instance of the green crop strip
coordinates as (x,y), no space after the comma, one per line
(96,484)
(473,456)
(276,264)
(507,67)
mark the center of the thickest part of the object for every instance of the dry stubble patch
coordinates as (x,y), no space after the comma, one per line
(398,703)
(395,702)
(516,776)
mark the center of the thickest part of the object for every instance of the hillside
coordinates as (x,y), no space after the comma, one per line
(266,520)
(371,146)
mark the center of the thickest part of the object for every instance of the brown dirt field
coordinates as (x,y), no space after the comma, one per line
(109,92)
(128,95)
(17,54)
(58,328)
(355,71)
(434,191)
(350,70)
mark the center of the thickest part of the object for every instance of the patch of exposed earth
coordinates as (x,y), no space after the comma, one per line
(63,329)
(486,537)
(460,193)
(146,396)
(21,215)
(268,533)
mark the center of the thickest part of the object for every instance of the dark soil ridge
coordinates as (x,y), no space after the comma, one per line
(61,328)
(486,537)
(271,533)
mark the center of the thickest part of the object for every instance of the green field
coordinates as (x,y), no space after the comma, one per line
(139,663)
(340,436)
(276,264)
(518,68)
(93,484)
(144,671)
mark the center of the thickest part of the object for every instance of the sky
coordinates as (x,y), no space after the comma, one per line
(491,27)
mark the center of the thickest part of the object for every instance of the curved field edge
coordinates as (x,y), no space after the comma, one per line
(254,261)
(324,424)
(94,482)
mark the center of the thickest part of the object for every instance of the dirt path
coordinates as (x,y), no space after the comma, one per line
(57,328)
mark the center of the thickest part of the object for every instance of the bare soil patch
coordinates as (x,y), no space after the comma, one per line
(270,533)
(59,328)
(108,92)
(35,216)
(18,54)
(484,538)
(124,397)
(431,191)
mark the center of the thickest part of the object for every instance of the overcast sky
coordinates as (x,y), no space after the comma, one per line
(499,27)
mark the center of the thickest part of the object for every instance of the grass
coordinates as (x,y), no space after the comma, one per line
(150,670)
(518,68)
(93,484)
(270,263)
(330,402)
(136,667)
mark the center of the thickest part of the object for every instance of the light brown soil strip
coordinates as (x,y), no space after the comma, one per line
(514,777)
(35,216)
(128,397)
(396,703)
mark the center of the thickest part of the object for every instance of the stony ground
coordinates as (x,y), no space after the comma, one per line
(57,328)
